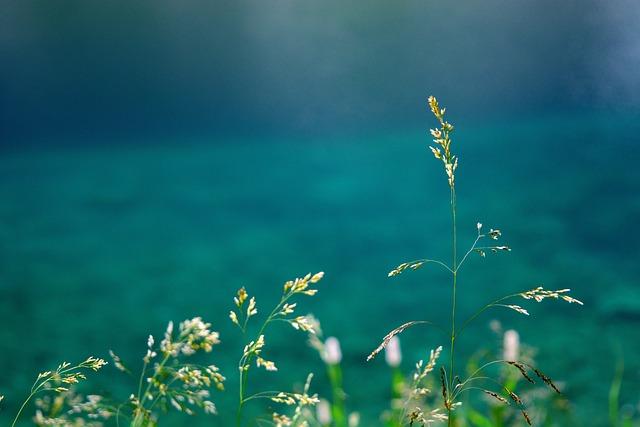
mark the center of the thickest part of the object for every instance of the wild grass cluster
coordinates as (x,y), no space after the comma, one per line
(494,387)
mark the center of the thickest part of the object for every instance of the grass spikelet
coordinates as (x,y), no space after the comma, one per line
(421,372)
(443,382)
(546,379)
(539,294)
(516,399)
(518,309)
(414,265)
(390,335)
(526,416)
(496,396)
(522,370)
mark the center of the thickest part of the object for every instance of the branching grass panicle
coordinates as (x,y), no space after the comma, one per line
(284,311)
(60,379)
(486,242)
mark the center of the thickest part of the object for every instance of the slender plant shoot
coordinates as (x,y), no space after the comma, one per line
(486,242)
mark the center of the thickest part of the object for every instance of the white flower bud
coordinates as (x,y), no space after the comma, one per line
(323,412)
(511,345)
(393,354)
(332,354)
(354,419)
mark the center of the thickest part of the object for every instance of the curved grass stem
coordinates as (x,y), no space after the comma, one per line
(483,309)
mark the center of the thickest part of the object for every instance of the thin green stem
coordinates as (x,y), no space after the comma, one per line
(493,380)
(454,268)
(244,325)
(143,397)
(614,393)
(262,395)
(34,391)
(15,420)
(486,365)
(485,390)
(36,382)
(153,403)
(483,309)
(480,236)
(118,414)
(453,324)
(144,370)
(460,387)
(435,261)
(245,360)
(158,369)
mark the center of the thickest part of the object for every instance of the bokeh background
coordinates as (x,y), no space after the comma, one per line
(157,155)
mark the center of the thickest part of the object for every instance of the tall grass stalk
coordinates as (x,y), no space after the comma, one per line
(246,308)
(451,383)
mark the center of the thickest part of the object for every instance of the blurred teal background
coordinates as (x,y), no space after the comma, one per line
(155,156)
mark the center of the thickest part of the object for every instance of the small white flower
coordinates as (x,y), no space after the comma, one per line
(511,345)
(323,412)
(393,354)
(150,355)
(354,419)
(332,354)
